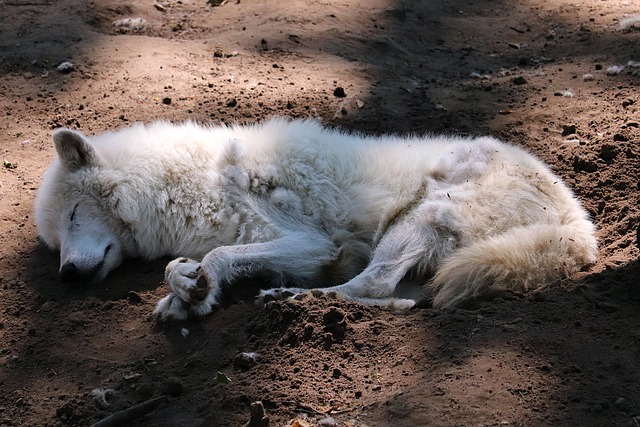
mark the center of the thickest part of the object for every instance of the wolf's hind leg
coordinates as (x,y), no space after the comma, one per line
(417,242)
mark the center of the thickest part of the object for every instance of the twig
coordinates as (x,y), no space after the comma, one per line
(131,413)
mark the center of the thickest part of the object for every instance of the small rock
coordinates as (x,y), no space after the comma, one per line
(65,67)
(519,81)
(339,92)
(160,7)
(587,77)
(615,70)
(584,165)
(78,318)
(166,101)
(564,93)
(48,306)
(568,130)
(65,411)
(618,137)
(130,24)
(134,297)
(103,397)
(608,152)
(232,103)
(327,422)
(246,360)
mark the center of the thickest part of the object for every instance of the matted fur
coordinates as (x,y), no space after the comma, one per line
(312,207)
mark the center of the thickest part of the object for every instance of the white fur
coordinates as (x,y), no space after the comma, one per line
(312,207)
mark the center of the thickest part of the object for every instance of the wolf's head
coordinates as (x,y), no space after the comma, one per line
(74,211)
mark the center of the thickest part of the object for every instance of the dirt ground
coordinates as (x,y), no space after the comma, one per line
(535,72)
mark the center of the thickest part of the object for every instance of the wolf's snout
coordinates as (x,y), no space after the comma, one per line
(71,274)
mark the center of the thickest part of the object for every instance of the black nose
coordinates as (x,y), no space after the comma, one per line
(71,274)
(68,273)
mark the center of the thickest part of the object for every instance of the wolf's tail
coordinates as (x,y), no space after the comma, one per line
(519,260)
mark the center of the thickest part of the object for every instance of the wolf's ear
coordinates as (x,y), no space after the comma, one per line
(74,150)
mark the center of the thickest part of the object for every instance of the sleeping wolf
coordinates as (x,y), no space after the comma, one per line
(309,207)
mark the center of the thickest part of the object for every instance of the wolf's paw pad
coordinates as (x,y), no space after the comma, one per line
(172,307)
(188,280)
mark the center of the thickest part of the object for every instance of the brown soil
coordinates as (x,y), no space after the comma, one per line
(565,355)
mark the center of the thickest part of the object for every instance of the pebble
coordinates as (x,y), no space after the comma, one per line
(615,69)
(519,81)
(134,297)
(130,24)
(244,361)
(48,306)
(608,152)
(65,67)
(339,92)
(568,130)
(327,422)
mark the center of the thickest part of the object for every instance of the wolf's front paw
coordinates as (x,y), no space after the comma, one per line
(188,280)
(191,291)
(172,307)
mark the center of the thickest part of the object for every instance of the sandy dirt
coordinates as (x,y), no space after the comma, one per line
(534,72)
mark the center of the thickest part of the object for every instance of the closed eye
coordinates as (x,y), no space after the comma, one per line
(73,214)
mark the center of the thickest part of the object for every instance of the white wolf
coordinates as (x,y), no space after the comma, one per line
(312,207)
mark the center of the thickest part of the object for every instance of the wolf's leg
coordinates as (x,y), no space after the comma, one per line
(196,286)
(419,241)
